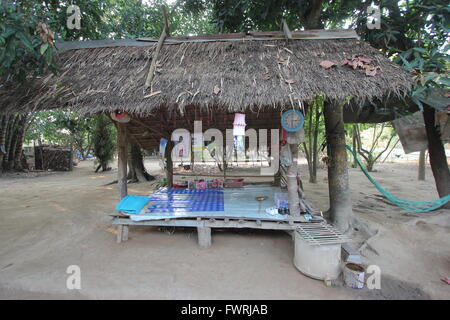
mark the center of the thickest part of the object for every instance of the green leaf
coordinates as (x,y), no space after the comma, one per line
(8,32)
(406,64)
(445,81)
(44,48)
(25,41)
(421,50)
(49,56)
(418,102)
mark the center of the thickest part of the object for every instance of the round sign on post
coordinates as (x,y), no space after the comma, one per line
(292,120)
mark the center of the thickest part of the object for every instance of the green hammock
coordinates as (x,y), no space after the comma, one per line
(414,206)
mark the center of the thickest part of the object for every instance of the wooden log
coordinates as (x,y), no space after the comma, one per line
(338,186)
(164,34)
(122,159)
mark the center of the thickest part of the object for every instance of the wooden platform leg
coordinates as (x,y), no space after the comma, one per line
(119,233)
(125,233)
(204,237)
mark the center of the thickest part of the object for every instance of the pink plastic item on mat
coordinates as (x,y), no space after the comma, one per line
(201,185)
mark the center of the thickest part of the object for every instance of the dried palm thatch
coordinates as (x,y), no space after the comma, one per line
(215,76)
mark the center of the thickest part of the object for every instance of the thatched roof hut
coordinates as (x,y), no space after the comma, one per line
(210,77)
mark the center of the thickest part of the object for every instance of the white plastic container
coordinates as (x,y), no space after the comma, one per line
(322,262)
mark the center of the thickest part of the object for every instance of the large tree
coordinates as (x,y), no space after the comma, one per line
(244,15)
(415,34)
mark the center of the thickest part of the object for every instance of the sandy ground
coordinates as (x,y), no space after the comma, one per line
(53,220)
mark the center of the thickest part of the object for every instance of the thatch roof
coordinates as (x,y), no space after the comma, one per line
(226,75)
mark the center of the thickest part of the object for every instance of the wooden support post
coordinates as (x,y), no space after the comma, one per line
(122,159)
(278,174)
(204,236)
(169,163)
(339,191)
(119,233)
(421,175)
(438,159)
(122,233)
(125,233)
(294,190)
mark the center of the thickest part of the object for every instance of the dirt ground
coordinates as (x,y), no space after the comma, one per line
(52,220)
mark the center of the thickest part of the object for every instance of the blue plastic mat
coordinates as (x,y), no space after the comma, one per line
(166,200)
(132,204)
(238,204)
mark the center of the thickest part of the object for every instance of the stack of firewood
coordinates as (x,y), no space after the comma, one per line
(53,158)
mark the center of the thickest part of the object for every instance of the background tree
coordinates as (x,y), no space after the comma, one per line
(415,34)
(245,15)
(62,128)
(381,139)
(27,34)
(314,134)
(103,138)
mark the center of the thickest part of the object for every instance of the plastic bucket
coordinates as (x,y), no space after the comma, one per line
(354,275)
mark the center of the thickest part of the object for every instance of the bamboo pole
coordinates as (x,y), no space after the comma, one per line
(164,35)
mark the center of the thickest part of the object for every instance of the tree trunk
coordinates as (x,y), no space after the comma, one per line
(131,176)
(137,171)
(339,191)
(438,159)
(3,128)
(22,126)
(312,19)
(422,165)
(9,141)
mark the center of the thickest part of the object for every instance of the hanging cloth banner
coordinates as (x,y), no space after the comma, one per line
(239,124)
